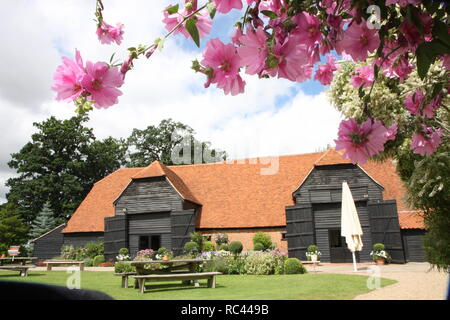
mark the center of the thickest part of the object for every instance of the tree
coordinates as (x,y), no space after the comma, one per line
(13,230)
(45,221)
(158,143)
(60,165)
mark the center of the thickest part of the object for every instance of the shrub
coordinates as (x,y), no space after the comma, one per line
(258,247)
(313,248)
(161,251)
(224,247)
(88,262)
(236,247)
(221,238)
(146,254)
(261,263)
(124,251)
(97,260)
(191,247)
(123,267)
(208,246)
(198,238)
(264,239)
(293,266)
(378,247)
(68,252)
(93,249)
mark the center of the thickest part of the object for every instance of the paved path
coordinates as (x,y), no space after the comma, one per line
(415,281)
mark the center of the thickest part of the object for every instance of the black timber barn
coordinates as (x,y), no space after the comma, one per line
(299,205)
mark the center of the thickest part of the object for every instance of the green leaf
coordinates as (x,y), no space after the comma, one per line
(173,9)
(191,27)
(270,14)
(440,31)
(211,7)
(424,59)
(160,43)
(437,88)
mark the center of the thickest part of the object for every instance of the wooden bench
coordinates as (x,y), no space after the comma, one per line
(51,263)
(211,276)
(125,276)
(23,269)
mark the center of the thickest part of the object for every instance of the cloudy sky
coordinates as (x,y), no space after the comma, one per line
(273,117)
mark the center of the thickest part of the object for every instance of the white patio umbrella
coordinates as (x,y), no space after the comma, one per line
(350,226)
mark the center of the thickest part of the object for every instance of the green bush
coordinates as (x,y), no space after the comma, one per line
(313,248)
(68,252)
(258,247)
(293,266)
(236,247)
(124,251)
(191,247)
(378,247)
(224,247)
(88,262)
(209,246)
(261,263)
(264,239)
(123,267)
(198,238)
(97,260)
(161,251)
(94,248)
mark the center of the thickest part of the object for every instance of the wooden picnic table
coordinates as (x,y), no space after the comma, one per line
(51,263)
(19,260)
(171,265)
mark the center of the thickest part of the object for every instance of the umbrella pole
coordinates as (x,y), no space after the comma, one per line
(354,262)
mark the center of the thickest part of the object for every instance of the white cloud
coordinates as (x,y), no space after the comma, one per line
(164,86)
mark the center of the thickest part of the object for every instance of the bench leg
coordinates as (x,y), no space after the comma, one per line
(23,273)
(49,267)
(123,285)
(82,267)
(212,282)
(142,285)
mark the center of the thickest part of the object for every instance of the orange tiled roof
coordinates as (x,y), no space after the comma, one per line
(411,220)
(232,195)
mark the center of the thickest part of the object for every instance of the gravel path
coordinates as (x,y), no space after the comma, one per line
(415,281)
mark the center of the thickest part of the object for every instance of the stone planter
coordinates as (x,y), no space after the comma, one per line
(380,261)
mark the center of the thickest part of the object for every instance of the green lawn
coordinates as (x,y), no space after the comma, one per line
(290,287)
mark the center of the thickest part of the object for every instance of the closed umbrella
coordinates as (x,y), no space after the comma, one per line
(350,226)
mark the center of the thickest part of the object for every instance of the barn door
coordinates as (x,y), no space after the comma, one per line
(115,236)
(299,230)
(385,228)
(183,223)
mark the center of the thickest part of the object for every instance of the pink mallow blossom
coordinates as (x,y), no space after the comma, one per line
(412,34)
(253,51)
(427,142)
(67,78)
(363,77)
(362,141)
(224,6)
(414,102)
(358,40)
(204,22)
(102,82)
(225,63)
(108,34)
(325,71)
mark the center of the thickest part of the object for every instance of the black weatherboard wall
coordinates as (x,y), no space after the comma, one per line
(49,244)
(149,208)
(316,216)
(413,244)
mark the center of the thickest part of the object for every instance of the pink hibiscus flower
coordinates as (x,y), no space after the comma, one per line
(67,78)
(414,102)
(325,71)
(400,68)
(308,29)
(224,6)
(413,35)
(204,22)
(364,77)
(446,61)
(102,82)
(253,51)
(358,40)
(108,34)
(237,33)
(272,5)
(426,143)
(225,62)
(361,141)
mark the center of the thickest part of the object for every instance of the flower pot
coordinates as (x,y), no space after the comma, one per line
(165,258)
(314,258)
(380,261)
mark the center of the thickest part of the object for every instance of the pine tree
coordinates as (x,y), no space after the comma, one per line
(45,221)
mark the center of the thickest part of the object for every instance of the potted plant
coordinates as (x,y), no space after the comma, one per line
(313,254)
(379,254)
(163,254)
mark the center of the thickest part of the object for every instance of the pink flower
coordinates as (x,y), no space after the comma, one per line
(107,33)
(402,3)
(308,29)
(392,132)
(237,33)
(272,5)
(364,77)
(358,40)
(204,22)
(400,68)
(414,102)
(324,72)
(224,6)
(67,78)
(253,51)
(446,61)
(361,142)
(412,35)
(427,142)
(102,82)
(225,62)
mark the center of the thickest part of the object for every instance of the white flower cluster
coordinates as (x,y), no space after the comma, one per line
(123,257)
(317,253)
(379,254)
